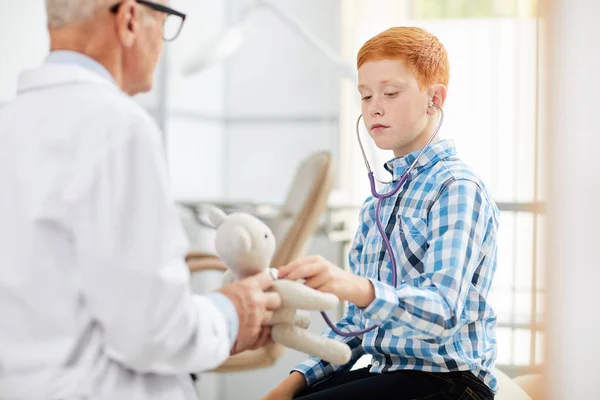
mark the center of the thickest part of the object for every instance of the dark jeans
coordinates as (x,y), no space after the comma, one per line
(399,385)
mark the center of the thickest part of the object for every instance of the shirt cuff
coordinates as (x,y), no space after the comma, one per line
(228,309)
(383,305)
(312,369)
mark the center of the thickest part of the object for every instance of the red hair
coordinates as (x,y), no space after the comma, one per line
(422,53)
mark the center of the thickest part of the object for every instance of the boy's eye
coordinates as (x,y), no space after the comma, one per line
(366,98)
(391,94)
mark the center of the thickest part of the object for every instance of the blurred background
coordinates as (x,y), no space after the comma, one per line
(252,88)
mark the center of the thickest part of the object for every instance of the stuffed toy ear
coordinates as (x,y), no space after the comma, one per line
(216,216)
(240,240)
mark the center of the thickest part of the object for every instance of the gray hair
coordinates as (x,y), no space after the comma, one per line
(63,12)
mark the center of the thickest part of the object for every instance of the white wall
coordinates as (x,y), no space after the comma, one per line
(195,105)
(23,41)
(575,189)
(239,129)
(282,99)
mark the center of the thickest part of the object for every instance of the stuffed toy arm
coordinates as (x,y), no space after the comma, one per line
(300,318)
(295,295)
(322,347)
(298,295)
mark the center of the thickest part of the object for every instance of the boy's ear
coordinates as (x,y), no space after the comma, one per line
(438,94)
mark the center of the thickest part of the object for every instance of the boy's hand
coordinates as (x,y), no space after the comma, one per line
(326,277)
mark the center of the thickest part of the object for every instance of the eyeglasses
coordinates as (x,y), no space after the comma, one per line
(172,25)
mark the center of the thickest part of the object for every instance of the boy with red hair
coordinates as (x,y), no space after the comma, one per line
(435,335)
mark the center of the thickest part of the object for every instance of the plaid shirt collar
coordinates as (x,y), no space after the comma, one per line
(435,152)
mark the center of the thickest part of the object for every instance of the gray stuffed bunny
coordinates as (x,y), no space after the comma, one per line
(247,245)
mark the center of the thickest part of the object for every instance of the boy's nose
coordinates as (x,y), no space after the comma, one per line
(375,108)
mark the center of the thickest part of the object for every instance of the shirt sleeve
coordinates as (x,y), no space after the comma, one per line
(315,370)
(226,306)
(131,246)
(457,224)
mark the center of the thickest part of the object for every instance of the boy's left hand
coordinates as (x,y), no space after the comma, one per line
(326,277)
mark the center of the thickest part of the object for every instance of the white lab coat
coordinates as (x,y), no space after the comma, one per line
(94,293)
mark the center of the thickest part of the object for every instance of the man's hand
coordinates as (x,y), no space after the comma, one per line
(254,307)
(324,276)
(263,339)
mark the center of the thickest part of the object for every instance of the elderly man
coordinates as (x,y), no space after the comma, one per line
(94,291)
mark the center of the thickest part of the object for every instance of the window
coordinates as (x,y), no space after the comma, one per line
(446,9)
(492,115)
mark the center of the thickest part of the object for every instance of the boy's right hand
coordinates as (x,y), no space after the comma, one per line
(324,276)
(254,307)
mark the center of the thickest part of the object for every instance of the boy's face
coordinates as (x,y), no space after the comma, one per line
(395,110)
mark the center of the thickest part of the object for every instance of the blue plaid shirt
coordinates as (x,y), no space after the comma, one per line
(443,227)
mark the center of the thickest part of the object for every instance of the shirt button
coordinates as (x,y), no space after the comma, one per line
(376,364)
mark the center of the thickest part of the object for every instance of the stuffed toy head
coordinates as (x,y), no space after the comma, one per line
(244,243)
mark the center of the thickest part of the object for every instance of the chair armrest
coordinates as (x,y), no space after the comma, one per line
(199,254)
(197,261)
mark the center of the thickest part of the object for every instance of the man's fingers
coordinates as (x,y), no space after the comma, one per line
(267,317)
(264,338)
(272,300)
(263,280)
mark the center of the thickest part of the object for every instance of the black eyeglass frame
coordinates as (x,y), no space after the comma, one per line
(157,7)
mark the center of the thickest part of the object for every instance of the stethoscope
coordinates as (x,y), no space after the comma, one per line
(380,197)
